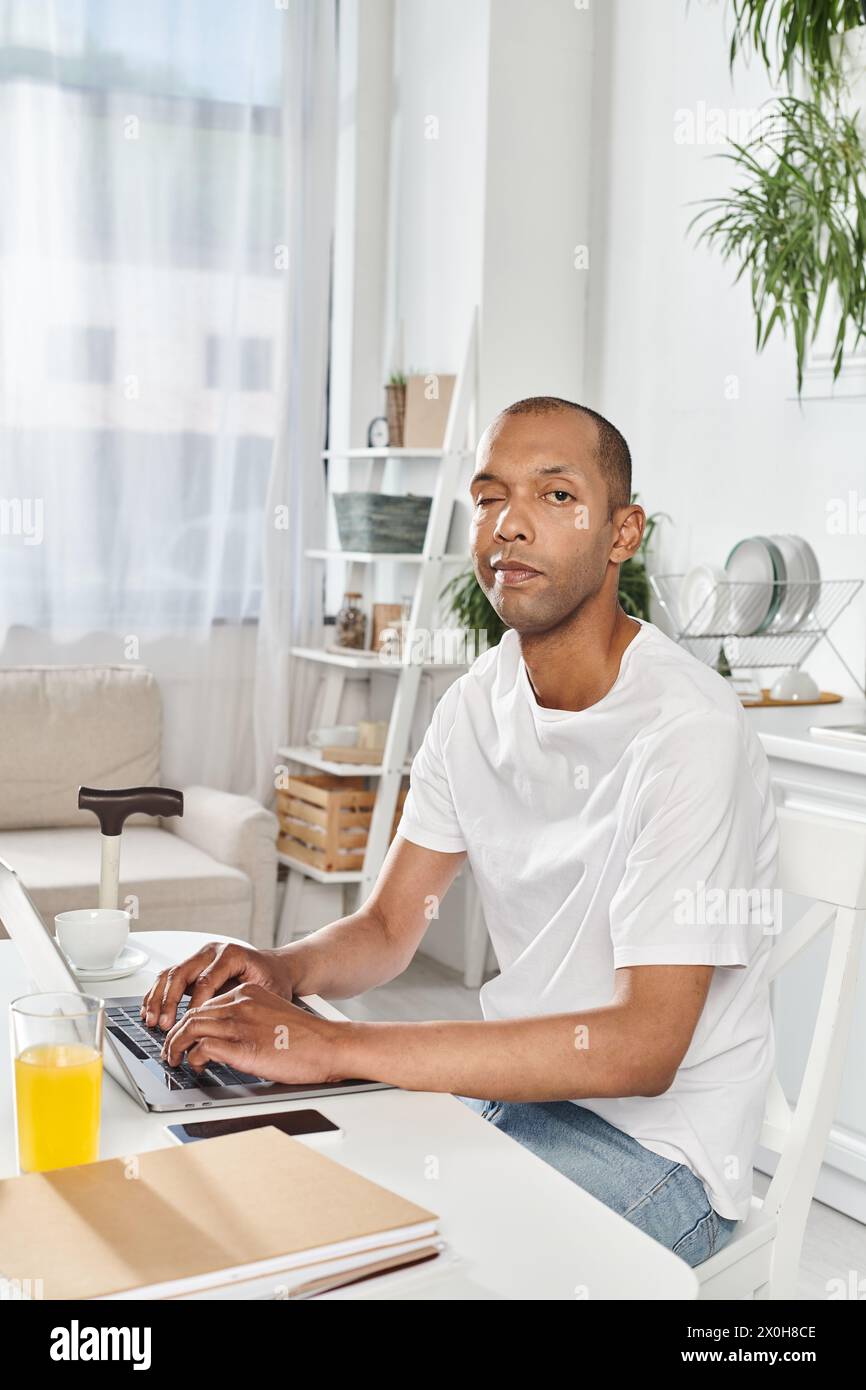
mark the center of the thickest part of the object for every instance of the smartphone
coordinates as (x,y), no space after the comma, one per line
(297,1123)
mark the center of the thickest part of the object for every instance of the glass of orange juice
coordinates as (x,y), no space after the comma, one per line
(57,1049)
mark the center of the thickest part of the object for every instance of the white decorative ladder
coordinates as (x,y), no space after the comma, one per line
(357,884)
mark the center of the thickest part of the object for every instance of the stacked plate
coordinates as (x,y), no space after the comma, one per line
(774,584)
(769,584)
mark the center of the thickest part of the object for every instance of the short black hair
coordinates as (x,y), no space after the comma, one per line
(612,452)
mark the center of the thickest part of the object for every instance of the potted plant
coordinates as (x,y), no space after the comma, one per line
(474,612)
(796,223)
(395,408)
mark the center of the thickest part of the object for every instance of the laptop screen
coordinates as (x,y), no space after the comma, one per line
(44,959)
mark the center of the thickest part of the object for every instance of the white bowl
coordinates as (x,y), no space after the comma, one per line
(92,937)
(794,685)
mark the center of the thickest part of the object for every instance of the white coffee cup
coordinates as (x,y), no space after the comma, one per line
(92,937)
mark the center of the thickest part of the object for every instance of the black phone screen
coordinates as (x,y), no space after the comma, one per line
(292,1122)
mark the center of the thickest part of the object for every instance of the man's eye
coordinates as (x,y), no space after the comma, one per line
(485,501)
(560,493)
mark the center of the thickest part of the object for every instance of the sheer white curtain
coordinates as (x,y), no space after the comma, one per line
(148,239)
(296,508)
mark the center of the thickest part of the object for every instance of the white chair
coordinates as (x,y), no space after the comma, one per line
(822,858)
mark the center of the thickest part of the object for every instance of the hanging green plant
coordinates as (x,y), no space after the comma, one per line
(786,32)
(474,611)
(796,226)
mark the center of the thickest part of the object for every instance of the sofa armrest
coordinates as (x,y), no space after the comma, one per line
(238,831)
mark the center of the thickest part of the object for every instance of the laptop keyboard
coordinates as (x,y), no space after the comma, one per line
(146,1044)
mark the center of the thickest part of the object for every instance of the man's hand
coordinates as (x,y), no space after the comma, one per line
(216,967)
(258,1032)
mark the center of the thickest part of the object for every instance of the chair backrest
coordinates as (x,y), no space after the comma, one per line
(823,858)
(64,726)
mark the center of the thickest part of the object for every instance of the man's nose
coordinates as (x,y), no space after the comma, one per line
(511,524)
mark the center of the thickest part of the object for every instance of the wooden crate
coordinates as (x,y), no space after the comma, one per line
(325,820)
(398,810)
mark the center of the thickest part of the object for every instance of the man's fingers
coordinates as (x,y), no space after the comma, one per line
(153,998)
(214,977)
(211,1049)
(162,1007)
(155,989)
(196,1023)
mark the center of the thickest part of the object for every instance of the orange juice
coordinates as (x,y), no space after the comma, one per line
(58,1088)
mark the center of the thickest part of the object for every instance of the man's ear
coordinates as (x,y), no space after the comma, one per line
(629,523)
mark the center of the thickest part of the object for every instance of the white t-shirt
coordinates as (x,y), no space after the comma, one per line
(639,831)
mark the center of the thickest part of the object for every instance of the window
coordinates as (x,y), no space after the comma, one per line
(81,354)
(242,364)
(141,304)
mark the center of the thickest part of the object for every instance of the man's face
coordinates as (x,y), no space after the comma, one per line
(539,500)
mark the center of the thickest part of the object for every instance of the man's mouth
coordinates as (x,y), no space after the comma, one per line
(510,573)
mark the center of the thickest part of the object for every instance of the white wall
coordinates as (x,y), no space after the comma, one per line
(718,438)
(537,207)
(439,132)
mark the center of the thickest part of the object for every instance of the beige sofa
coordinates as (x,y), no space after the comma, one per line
(213,870)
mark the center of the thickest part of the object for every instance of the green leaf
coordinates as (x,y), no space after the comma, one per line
(796,224)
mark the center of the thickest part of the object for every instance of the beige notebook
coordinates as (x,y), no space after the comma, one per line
(258,1198)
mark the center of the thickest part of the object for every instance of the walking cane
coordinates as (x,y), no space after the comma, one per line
(111,809)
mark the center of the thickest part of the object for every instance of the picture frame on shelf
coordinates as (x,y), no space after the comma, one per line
(378,433)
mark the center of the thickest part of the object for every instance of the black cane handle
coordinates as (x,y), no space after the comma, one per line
(111,808)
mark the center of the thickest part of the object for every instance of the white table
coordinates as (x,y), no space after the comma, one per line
(515,1227)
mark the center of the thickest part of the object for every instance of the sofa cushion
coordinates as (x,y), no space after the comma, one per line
(175,885)
(64,726)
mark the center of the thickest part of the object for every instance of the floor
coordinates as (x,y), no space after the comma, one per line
(835,1245)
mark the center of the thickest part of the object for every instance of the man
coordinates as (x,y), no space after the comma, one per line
(615,808)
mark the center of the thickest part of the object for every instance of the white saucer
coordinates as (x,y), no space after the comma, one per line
(131,959)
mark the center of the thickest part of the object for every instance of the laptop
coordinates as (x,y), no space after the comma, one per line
(131,1050)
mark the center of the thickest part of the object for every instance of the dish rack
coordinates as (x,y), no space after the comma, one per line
(732,621)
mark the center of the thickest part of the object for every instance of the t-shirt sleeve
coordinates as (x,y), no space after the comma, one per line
(688,895)
(429,817)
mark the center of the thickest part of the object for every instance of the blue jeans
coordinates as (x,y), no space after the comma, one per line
(660,1196)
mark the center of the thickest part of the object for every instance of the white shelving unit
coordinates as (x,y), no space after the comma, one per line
(362,662)
(431,562)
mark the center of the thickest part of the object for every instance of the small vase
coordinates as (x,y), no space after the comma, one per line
(395,408)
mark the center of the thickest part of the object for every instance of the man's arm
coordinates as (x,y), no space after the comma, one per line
(372,946)
(630,1047)
(348,956)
